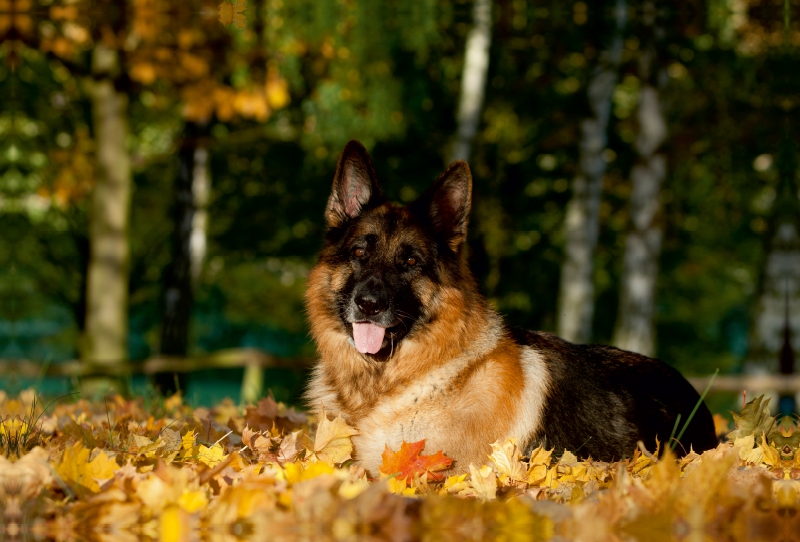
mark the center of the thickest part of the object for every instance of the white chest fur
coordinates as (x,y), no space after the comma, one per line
(422,411)
(454,419)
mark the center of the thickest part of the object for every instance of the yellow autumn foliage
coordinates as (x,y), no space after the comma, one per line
(170,478)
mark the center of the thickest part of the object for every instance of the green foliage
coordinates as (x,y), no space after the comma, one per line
(389,74)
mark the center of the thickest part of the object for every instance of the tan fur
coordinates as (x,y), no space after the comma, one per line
(461,384)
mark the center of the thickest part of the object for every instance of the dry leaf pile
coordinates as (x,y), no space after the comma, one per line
(116,470)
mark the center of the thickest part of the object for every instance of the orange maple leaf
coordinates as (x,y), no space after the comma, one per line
(407,462)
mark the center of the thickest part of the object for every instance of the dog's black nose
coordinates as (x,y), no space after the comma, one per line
(371,303)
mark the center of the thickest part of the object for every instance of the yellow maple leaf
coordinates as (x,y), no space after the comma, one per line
(187,441)
(144,446)
(540,456)
(141,441)
(210,456)
(76,469)
(399,487)
(483,482)
(506,457)
(332,442)
(454,484)
(537,473)
(232,13)
(550,479)
(568,459)
(769,455)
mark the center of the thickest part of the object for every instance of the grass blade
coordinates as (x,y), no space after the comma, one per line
(674,428)
(694,410)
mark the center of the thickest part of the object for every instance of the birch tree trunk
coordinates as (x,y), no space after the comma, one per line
(635,328)
(582,221)
(105,339)
(201,187)
(775,327)
(188,246)
(473,80)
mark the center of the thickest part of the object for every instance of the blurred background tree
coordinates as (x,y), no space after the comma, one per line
(164,167)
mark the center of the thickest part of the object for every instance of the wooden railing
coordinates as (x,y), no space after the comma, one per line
(750,383)
(222,359)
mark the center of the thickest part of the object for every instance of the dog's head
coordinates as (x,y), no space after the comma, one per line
(386,265)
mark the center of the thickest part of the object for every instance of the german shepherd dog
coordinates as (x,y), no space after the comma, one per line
(409,349)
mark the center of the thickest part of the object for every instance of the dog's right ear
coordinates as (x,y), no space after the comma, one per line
(355,186)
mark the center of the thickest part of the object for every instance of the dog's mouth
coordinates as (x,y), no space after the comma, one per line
(374,340)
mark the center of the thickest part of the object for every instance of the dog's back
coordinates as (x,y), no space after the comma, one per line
(602,400)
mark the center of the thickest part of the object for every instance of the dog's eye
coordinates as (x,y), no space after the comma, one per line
(359,252)
(412,261)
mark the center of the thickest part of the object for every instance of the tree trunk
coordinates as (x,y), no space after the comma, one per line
(473,80)
(775,329)
(105,339)
(252,388)
(635,329)
(201,186)
(178,291)
(582,222)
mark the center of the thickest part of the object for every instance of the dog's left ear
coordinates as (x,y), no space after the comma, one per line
(355,186)
(447,204)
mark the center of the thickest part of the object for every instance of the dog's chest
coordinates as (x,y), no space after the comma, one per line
(419,412)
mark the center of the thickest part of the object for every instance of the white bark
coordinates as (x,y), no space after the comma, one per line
(779,299)
(576,289)
(473,80)
(635,329)
(105,338)
(200,188)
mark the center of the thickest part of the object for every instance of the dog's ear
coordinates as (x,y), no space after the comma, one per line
(355,186)
(447,204)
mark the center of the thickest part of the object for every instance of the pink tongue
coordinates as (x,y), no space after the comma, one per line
(368,337)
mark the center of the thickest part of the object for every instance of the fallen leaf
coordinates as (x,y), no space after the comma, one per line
(754,419)
(76,469)
(210,456)
(483,482)
(287,451)
(407,462)
(540,456)
(171,439)
(568,458)
(332,442)
(506,457)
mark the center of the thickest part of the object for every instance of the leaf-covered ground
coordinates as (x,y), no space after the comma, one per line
(115,470)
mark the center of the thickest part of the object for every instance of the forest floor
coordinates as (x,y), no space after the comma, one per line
(123,469)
